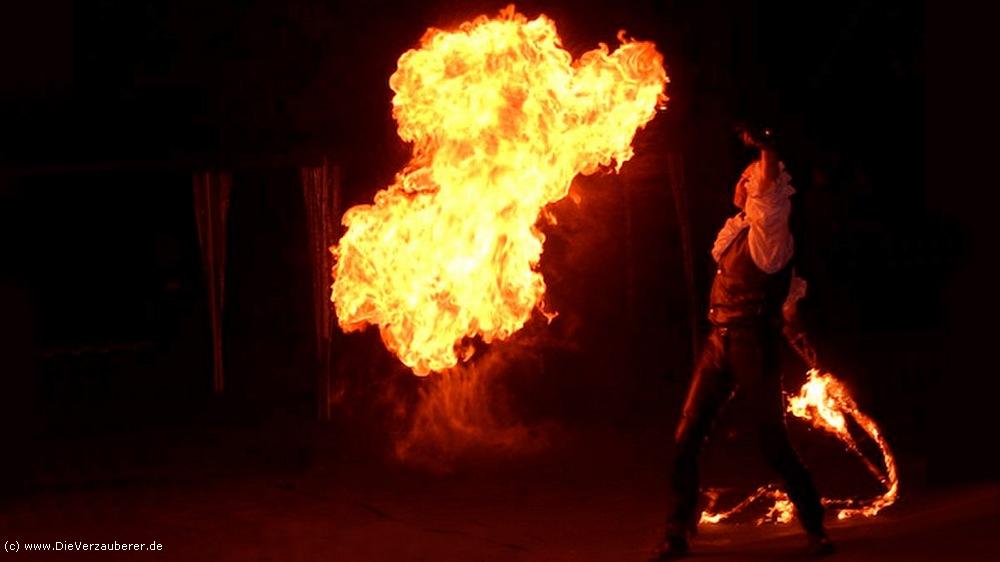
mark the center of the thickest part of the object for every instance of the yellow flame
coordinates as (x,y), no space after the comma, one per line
(779,512)
(501,120)
(826,404)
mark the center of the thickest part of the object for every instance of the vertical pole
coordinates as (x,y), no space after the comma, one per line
(322,194)
(211,202)
(332,230)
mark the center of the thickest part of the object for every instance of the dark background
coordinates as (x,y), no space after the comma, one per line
(108,106)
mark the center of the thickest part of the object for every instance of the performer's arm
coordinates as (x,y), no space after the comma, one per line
(767,210)
(793,328)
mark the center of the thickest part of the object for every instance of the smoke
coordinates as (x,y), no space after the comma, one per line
(466,415)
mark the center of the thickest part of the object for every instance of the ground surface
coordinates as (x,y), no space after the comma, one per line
(211,503)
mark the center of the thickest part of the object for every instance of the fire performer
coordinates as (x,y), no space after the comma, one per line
(753,251)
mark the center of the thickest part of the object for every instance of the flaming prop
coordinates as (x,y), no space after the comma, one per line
(825,403)
(501,120)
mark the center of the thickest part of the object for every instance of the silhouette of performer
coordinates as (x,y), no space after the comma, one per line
(753,250)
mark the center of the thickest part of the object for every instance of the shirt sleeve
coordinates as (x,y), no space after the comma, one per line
(734,225)
(767,212)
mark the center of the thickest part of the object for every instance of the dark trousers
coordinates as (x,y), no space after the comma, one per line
(738,361)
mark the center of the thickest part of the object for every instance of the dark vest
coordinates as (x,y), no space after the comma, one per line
(741,293)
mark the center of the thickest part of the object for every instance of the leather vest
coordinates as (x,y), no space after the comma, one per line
(743,294)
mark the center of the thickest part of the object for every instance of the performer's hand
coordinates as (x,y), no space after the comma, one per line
(795,334)
(794,330)
(800,343)
(762,139)
(790,308)
(793,327)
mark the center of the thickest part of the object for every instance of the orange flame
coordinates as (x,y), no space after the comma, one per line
(466,417)
(501,120)
(826,404)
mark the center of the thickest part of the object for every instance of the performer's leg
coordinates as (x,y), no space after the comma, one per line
(756,370)
(709,388)
(798,482)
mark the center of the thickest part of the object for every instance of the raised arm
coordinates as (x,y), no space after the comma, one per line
(767,210)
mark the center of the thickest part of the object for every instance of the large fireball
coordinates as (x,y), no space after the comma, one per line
(501,119)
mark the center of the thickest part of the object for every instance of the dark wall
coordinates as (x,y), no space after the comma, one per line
(109,105)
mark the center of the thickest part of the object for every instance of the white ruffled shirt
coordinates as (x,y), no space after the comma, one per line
(766,215)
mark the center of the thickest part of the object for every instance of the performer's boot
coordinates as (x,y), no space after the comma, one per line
(820,545)
(674,546)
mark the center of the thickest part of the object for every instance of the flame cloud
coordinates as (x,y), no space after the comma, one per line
(501,119)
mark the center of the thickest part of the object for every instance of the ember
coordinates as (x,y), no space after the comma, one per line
(501,120)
